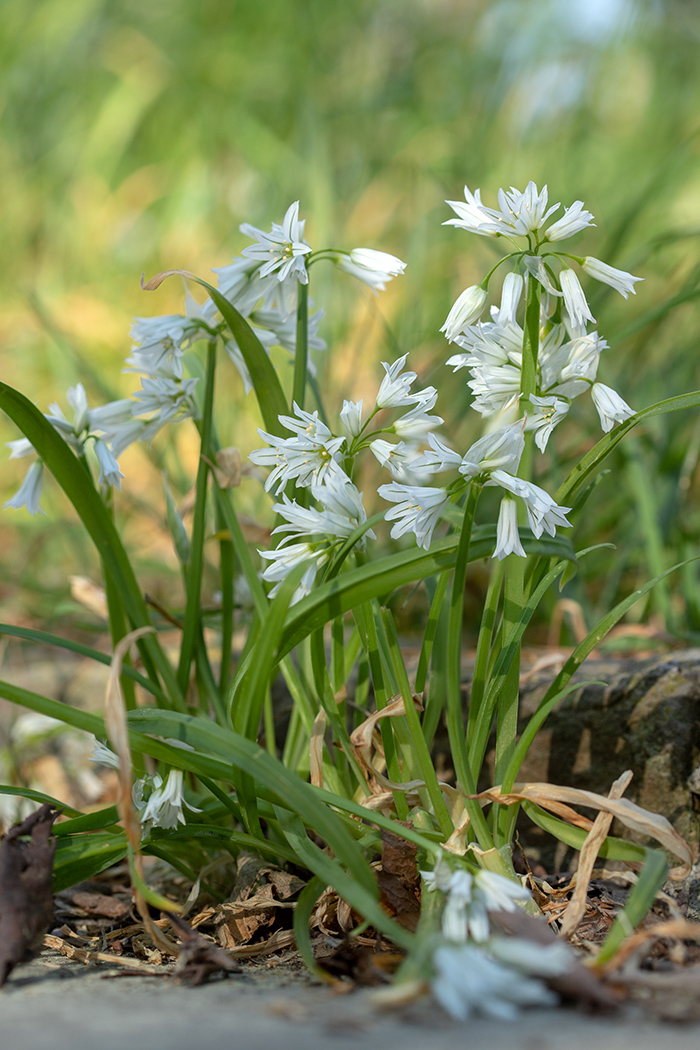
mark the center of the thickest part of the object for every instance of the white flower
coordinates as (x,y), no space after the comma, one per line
(544,515)
(538,960)
(499,893)
(548,412)
(499,450)
(473,215)
(284,560)
(372,267)
(535,265)
(574,299)
(29,492)
(309,458)
(507,536)
(574,219)
(391,456)
(524,212)
(466,310)
(110,473)
(20,448)
(104,755)
(164,807)
(282,250)
(437,458)
(395,388)
(416,423)
(171,399)
(610,406)
(511,294)
(351,415)
(343,512)
(418,510)
(467,980)
(620,280)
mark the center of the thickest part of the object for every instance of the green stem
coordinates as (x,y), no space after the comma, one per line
(195,566)
(227,561)
(455,720)
(483,646)
(301,354)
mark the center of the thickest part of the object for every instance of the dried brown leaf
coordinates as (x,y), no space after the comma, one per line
(102,905)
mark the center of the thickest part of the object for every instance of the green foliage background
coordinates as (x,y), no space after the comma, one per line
(138,136)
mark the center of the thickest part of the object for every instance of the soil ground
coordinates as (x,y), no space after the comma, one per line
(55,1003)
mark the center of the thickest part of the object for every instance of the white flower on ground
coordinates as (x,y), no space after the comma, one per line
(467,980)
(164,807)
(574,219)
(371,267)
(548,412)
(499,450)
(282,250)
(395,387)
(574,299)
(538,960)
(507,536)
(418,510)
(610,406)
(29,492)
(466,310)
(620,280)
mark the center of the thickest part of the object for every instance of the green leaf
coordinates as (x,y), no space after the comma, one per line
(642,896)
(39,796)
(610,849)
(80,857)
(359,585)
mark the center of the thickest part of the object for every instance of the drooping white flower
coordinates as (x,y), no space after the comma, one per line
(610,406)
(371,267)
(343,511)
(535,265)
(395,387)
(282,250)
(511,294)
(530,957)
(548,412)
(285,559)
(29,492)
(574,299)
(620,280)
(467,980)
(544,515)
(574,219)
(104,755)
(466,310)
(164,807)
(507,535)
(499,450)
(393,456)
(110,474)
(418,510)
(20,448)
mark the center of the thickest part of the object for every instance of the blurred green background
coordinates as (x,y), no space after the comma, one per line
(138,136)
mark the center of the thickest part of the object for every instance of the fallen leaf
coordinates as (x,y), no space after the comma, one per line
(102,905)
(198,958)
(398,879)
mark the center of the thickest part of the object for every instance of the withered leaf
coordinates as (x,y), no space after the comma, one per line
(102,905)
(398,879)
(198,958)
(26,901)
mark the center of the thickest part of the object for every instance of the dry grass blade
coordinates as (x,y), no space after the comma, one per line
(118,732)
(558,799)
(87,955)
(363,741)
(316,748)
(589,852)
(673,929)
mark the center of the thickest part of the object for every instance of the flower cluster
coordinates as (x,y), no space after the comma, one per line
(475,970)
(262,284)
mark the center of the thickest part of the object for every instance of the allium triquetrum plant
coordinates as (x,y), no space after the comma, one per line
(317,614)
